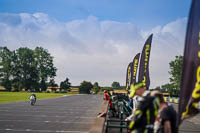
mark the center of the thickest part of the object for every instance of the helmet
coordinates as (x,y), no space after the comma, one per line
(133,88)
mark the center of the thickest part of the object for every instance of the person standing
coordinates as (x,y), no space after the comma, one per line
(107,96)
(134,103)
(146,112)
(166,119)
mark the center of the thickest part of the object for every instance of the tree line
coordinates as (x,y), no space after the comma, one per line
(33,70)
(27,69)
(87,87)
(173,87)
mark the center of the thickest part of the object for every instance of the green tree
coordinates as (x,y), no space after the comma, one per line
(96,87)
(157,88)
(45,66)
(26,68)
(52,83)
(17,76)
(176,67)
(115,84)
(65,84)
(169,88)
(6,61)
(85,87)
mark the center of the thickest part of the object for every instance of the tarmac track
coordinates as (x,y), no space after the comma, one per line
(191,125)
(70,114)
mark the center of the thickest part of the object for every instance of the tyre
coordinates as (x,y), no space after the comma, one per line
(32,101)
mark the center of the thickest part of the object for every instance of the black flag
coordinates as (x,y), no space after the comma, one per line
(134,68)
(144,63)
(190,82)
(128,74)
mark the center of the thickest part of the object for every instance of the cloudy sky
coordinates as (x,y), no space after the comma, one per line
(94,40)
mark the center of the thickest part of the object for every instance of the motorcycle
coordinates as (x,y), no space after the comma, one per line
(32,100)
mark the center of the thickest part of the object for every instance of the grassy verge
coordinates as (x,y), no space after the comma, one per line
(8,97)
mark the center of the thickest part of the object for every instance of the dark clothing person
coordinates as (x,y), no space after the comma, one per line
(166,119)
(145,114)
(168,114)
(34,96)
(130,103)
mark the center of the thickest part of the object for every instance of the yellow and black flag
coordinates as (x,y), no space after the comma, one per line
(144,63)
(128,75)
(134,68)
(190,82)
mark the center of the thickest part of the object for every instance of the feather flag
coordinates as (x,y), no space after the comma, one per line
(134,68)
(190,81)
(144,63)
(128,74)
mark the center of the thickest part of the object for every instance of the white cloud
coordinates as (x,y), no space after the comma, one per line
(94,50)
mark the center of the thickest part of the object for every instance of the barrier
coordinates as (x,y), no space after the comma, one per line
(111,124)
(176,100)
(116,122)
(127,109)
(171,99)
(98,125)
(103,124)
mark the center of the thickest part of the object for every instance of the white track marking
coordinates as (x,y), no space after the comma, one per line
(58,116)
(49,131)
(47,121)
(76,111)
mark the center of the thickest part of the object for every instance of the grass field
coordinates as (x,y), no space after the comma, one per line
(7,97)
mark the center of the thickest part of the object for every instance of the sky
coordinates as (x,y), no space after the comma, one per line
(94,40)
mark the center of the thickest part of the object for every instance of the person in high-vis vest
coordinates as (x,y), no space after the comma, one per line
(146,112)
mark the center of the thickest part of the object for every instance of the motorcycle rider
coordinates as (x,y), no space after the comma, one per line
(33,99)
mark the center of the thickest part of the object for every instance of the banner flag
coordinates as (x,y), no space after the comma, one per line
(144,63)
(134,68)
(128,75)
(190,81)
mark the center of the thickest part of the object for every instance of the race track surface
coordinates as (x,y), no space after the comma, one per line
(69,114)
(191,125)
